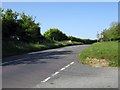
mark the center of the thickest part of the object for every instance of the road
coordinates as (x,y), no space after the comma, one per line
(56,68)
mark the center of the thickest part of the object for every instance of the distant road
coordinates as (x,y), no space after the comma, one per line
(55,68)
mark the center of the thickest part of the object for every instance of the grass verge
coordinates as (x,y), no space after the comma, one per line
(101,52)
(15,48)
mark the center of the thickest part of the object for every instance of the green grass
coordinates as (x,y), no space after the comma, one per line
(102,50)
(15,48)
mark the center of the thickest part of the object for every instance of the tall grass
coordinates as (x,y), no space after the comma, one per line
(102,50)
(15,48)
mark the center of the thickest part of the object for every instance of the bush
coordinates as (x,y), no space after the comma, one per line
(102,50)
(112,33)
(55,34)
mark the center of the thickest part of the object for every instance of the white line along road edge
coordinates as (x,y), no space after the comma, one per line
(14,60)
(45,80)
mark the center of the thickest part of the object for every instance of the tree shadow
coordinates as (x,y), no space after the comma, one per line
(37,58)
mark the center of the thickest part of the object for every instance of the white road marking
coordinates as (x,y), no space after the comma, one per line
(46,79)
(72,63)
(67,66)
(62,69)
(55,73)
(60,49)
(14,61)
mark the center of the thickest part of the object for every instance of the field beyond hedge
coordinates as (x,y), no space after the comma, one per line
(101,53)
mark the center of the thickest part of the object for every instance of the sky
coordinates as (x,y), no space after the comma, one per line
(79,19)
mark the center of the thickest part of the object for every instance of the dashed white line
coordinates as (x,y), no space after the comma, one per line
(46,79)
(55,73)
(72,63)
(67,66)
(62,69)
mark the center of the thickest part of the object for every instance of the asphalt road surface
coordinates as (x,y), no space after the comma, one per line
(55,68)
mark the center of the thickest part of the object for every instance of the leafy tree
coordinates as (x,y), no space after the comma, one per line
(85,41)
(24,29)
(111,33)
(75,39)
(9,24)
(28,30)
(1,10)
(55,34)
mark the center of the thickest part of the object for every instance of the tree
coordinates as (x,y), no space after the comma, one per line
(75,39)
(24,29)
(28,30)
(9,24)
(111,33)
(55,34)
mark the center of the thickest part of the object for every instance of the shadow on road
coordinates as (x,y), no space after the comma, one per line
(36,58)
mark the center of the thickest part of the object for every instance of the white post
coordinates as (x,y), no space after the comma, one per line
(98,36)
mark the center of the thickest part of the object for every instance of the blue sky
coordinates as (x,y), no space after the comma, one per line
(79,19)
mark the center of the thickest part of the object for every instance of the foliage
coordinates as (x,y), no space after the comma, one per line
(89,41)
(21,34)
(23,28)
(75,39)
(112,33)
(85,41)
(15,47)
(102,50)
(9,24)
(28,30)
(55,34)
